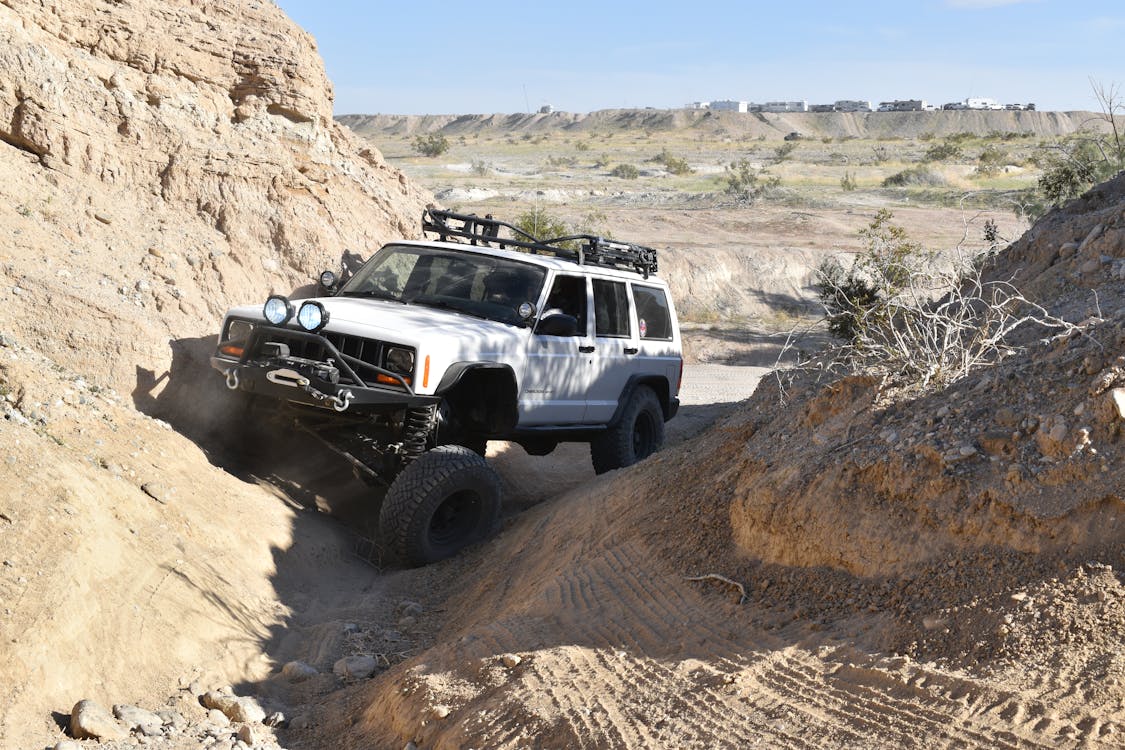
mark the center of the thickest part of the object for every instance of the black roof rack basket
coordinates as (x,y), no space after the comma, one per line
(585,249)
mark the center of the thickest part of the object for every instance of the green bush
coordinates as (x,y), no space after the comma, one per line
(626,172)
(991,160)
(747,183)
(877,274)
(923,176)
(541,224)
(942,151)
(674,164)
(431,144)
(847,182)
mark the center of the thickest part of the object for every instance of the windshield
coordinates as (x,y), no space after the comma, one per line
(483,286)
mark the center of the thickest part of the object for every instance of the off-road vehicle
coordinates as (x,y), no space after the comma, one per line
(431,348)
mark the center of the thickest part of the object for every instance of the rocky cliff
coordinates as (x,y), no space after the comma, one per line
(161,160)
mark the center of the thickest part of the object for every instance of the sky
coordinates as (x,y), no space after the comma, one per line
(509,56)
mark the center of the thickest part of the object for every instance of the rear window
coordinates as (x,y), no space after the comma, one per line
(654,320)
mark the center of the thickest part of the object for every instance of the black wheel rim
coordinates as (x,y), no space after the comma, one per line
(644,432)
(455,519)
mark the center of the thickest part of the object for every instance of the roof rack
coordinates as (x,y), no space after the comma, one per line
(584,249)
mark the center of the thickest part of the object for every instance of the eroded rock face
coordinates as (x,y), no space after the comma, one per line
(175,157)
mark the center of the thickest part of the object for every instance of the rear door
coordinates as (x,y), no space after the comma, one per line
(613,359)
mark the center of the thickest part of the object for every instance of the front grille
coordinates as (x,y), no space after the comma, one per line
(365,350)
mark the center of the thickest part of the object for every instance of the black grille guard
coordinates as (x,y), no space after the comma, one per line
(251,354)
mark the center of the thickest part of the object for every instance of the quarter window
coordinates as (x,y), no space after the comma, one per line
(654,320)
(611,308)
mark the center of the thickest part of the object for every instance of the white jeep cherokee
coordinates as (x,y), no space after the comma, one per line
(433,348)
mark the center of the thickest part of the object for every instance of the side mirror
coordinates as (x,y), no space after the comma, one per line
(327,284)
(558,324)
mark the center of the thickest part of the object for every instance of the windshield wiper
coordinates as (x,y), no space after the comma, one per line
(442,304)
(374,294)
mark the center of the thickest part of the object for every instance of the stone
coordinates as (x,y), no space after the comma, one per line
(996,443)
(1006,417)
(441,712)
(299,722)
(218,718)
(1093,235)
(1117,398)
(1058,431)
(135,717)
(355,667)
(511,661)
(90,720)
(253,735)
(407,608)
(234,707)
(298,671)
(276,719)
(933,622)
(1068,249)
(67,745)
(1090,266)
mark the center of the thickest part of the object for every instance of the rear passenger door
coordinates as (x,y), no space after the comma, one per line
(613,360)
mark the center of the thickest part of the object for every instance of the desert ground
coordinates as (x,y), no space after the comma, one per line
(811,561)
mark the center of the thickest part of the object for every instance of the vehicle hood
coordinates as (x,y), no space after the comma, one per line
(405,324)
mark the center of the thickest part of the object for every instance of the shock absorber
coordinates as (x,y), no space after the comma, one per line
(417,425)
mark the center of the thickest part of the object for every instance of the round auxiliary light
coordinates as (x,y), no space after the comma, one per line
(277,310)
(312,316)
(328,279)
(526,310)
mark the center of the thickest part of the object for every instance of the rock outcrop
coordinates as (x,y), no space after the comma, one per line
(159,161)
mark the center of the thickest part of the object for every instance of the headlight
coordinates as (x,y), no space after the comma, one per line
(312,316)
(400,361)
(277,310)
(235,338)
(327,279)
(238,330)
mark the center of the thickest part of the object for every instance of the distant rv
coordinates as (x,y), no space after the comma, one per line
(980,102)
(905,105)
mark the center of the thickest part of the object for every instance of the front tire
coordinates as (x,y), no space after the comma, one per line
(636,436)
(443,501)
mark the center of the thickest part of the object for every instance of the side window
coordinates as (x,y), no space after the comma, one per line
(568,296)
(653,319)
(611,308)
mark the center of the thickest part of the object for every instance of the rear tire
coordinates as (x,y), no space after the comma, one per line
(443,501)
(636,436)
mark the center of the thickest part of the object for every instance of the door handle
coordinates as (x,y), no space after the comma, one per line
(631,350)
(585,349)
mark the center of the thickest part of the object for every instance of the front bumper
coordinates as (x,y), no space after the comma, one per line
(335,384)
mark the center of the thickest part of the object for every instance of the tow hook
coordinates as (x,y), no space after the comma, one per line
(232,378)
(342,401)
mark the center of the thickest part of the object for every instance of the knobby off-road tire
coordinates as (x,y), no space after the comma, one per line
(638,434)
(445,500)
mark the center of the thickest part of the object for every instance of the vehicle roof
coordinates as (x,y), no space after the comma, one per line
(563,265)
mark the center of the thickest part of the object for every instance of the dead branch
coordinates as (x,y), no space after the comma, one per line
(722,579)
